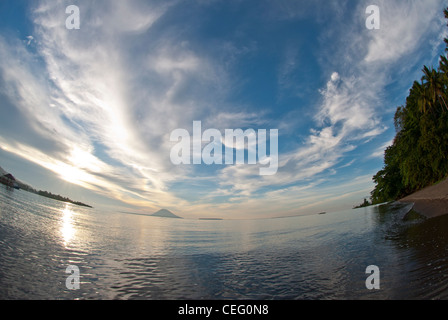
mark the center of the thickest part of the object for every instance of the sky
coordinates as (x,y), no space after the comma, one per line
(88,105)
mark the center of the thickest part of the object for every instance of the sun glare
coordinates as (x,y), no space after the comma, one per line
(84,159)
(71,174)
(74,171)
(74,175)
(67,229)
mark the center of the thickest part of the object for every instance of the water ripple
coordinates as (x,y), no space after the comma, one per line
(136,257)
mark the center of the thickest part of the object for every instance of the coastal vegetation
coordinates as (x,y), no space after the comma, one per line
(60,198)
(10,181)
(418,156)
(366,203)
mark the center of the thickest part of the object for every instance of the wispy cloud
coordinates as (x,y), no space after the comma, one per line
(403,24)
(351,109)
(98,104)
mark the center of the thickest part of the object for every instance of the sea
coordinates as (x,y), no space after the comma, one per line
(51,250)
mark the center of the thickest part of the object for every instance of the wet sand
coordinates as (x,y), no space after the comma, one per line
(431,201)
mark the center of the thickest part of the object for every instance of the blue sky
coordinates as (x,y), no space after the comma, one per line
(88,113)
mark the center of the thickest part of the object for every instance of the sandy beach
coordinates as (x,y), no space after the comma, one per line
(431,201)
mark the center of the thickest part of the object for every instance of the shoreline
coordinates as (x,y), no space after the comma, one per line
(431,201)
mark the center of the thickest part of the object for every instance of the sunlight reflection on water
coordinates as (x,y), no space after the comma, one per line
(128,256)
(67,228)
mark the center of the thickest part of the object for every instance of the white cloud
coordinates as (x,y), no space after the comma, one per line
(351,108)
(403,24)
(108,96)
(335,76)
(88,102)
(30,39)
(116,109)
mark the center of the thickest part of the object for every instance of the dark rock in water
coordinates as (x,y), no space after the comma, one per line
(165,214)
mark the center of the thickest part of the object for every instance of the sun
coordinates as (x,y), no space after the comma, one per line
(71,174)
(74,175)
(78,166)
(80,158)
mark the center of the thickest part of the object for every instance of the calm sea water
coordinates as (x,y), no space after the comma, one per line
(126,256)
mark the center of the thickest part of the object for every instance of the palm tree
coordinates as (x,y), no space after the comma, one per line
(434,87)
(446,17)
(420,94)
(443,65)
(443,68)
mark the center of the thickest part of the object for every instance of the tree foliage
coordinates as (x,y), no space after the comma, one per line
(419,154)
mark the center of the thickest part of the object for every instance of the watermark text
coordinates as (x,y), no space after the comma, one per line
(73,21)
(373,280)
(230,149)
(72,281)
(373,21)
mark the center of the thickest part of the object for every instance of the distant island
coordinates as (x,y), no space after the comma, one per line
(61,198)
(10,181)
(165,214)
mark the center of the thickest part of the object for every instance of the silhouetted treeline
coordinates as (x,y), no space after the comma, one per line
(60,198)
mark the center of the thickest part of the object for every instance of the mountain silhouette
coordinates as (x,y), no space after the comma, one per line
(165,214)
